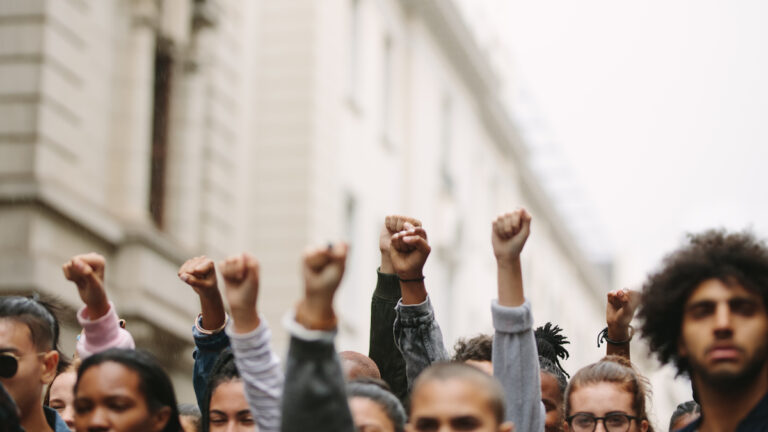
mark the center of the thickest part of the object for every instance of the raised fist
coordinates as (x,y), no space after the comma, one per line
(620,308)
(392,225)
(323,269)
(200,274)
(510,231)
(409,251)
(241,280)
(87,272)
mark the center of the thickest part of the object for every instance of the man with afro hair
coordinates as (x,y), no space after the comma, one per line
(705,311)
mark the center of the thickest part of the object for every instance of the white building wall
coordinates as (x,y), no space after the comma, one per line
(280,136)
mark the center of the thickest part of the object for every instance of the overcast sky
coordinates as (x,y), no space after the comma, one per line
(660,108)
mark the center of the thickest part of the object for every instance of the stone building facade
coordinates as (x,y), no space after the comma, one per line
(152,131)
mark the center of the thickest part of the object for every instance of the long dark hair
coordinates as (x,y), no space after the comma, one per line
(223,370)
(154,383)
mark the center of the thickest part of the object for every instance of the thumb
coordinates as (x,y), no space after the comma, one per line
(89,277)
(418,242)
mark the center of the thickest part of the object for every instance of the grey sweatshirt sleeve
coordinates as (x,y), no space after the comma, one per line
(516,365)
(259,368)
(418,337)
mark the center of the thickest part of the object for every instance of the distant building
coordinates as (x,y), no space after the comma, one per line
(153,131)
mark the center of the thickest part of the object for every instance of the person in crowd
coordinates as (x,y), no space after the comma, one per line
(102,329)
(705,311)
(619,311)
(225,407)
(609,393)
(550,345)
(514,356)
(9,413)
(685,414)
(314,395)
(374,407)
(29,334)
(382,349)
(250,337)
(356,365)
(124,390)
(457,397)
(190,417)
(208,331)
(97,317)
(475,352)
(61,394)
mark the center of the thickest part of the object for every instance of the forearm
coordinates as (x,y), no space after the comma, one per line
(260,370)
(212,310)
(418,337)
(617,333)
(382,349)
(510,282)
(516,365)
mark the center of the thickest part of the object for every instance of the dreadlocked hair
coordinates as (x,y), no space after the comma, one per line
(550,343)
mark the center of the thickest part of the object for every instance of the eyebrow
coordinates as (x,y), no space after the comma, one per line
(10,349)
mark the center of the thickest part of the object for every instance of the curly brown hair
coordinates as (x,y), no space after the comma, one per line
(478,348)
(714,254)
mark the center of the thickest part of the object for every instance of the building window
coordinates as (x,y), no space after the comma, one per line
(354,49)
(446,143)
(386,90)
(160,123)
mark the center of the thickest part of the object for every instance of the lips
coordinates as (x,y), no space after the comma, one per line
(724,353)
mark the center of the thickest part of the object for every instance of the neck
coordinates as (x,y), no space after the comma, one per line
(724,410)
(35,420)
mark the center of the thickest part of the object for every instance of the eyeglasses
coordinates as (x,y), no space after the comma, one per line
(9,363)
(612,422)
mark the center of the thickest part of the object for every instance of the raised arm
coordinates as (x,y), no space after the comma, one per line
(417,334)
(208,331)
(619,311)
(314,396)
(515,360)
(250,338)
(101,326)
(382,349)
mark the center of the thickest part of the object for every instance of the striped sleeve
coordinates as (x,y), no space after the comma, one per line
(260,370)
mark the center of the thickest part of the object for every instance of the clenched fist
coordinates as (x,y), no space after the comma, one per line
(87,272)
(409,252)
(241,280)
(392,225)
(509,234)
(200,274)
(323,269)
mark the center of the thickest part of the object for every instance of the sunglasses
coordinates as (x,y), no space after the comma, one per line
(9,364)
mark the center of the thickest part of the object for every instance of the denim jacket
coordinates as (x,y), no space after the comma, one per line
(207,350)
(515,359)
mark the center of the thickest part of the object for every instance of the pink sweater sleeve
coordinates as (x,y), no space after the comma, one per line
(101,334)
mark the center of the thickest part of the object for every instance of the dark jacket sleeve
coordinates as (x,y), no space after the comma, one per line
(382,349)
(207,350)
(314,397)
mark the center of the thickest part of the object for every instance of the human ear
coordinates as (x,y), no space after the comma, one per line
(160,418)
(507,427)
(644,425)
(50,362)
(681,350)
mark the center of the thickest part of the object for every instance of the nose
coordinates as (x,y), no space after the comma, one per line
(98,420)
(600,426)
(68,415)
(723,328)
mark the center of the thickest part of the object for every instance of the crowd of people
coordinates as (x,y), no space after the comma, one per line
(704,311)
